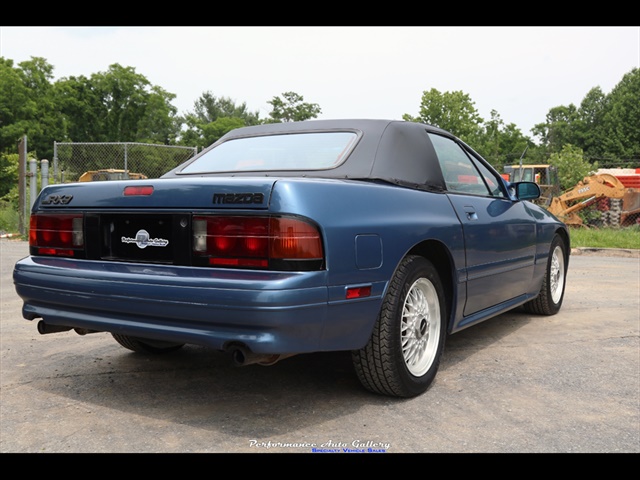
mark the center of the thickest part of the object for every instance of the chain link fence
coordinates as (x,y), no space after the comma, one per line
(73,162)
(613,212)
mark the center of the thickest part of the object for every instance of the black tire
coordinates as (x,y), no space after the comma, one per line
(146,345)
(403,354)
(549,300)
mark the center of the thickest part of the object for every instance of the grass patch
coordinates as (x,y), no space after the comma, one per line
(9,218)
(628,237)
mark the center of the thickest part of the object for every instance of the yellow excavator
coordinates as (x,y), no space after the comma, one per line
(109,174)
(590,190)
(545,175)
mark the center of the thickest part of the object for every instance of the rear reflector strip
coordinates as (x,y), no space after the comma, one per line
(358,292)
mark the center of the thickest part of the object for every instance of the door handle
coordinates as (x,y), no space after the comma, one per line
(471,213)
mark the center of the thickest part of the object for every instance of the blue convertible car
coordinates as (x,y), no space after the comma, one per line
(371,236)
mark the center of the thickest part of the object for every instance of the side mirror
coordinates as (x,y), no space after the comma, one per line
(526,190)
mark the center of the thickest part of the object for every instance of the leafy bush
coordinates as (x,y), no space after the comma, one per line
(572,167)
(9,218)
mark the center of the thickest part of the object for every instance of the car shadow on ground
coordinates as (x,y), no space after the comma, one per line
(202,388)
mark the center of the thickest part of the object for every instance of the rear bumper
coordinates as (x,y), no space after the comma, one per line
(268,312)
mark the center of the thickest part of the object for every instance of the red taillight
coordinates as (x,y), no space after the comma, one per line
(53,234)
(255,241)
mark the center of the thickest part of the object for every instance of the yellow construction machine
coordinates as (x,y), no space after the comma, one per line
(545,175)
(623,207)
(109,174)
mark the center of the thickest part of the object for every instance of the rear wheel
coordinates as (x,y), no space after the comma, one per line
(549,300)
(403,354)
(146,345)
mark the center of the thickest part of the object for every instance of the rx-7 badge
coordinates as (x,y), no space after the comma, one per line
(57,200)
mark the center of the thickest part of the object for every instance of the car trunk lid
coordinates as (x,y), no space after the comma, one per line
(192,193)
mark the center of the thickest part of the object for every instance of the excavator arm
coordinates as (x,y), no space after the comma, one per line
(587,191)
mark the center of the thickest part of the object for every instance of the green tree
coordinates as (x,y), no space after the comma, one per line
(118,105)
(81,110)
(208,108)
(124,96)
(621,119)
(212,117)
(605,127)
(451,111)
(27,106)
(291,107)
(558,130)
(16,105)
(212,132)
(588,133)
(9,176)
(501,144)
(159,123)
(572,166)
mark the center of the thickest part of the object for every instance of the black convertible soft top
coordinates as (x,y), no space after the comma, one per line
(387,150)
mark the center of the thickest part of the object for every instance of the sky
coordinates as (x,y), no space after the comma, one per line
(350,72)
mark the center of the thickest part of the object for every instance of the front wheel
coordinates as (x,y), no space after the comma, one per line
(549,300)
(146,345)
(403,354)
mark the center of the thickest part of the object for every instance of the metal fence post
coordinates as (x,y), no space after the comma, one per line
(33,181)
(44,173)
(22,184)
(56,179)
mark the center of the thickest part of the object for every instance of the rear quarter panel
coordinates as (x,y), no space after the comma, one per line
(368,228)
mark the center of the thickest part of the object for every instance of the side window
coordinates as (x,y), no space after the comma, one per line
(461,173)
(491,180)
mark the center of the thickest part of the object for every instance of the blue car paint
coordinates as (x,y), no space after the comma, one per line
(271,312)
(302,312)
(367,228)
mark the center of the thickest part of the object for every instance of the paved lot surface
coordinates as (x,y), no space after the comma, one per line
(517,383)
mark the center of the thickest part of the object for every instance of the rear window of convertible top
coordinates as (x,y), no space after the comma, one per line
(292,151)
